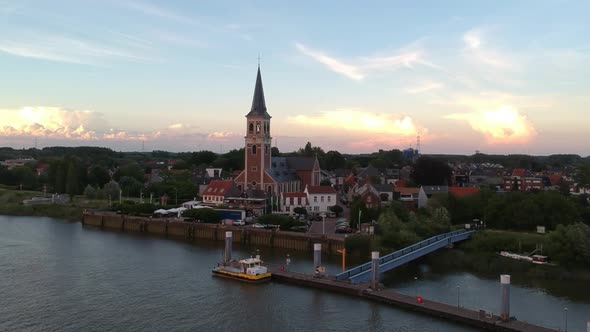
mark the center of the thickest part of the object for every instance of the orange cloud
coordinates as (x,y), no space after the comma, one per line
(357,120)
(503,125)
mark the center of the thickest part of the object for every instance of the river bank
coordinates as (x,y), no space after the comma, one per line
(11,205)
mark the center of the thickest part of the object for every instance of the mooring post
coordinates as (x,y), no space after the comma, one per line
(375,270)
(588,327)
(228,243)
(317,257)
(505,305)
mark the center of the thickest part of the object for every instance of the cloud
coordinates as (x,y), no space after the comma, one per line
(350,71)
(65,49)
(424,87)
(357,120)
(476,50)
(472,39)
(222,135)
(157,11)
(502,125)
(360,68)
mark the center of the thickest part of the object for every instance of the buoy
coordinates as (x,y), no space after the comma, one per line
(282,268)
(419,299)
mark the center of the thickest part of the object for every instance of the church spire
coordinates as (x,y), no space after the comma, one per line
(258,102)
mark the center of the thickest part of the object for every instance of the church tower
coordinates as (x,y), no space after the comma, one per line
(257,141)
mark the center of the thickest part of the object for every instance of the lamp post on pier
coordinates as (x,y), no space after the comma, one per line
(458,296)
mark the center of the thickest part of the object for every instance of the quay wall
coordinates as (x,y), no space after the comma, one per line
(245,236)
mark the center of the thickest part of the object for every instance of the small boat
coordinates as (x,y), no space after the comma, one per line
(249,270)
(535,259)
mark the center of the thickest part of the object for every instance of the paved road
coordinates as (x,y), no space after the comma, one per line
(316,226)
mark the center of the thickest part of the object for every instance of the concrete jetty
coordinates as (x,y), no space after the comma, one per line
(465,316)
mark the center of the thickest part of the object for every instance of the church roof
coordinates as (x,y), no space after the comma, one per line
(280,170)
(258,102)
(301,163)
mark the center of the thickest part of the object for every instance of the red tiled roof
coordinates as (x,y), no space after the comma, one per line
(463,191)
(321,190)
(218,187)
(400,183)
(297,194)
(554,179)
(518,172)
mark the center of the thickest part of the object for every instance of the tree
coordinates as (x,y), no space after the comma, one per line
(300,210)
(98,175)
(112,190)
(337,209)
(90,192)
(325,182)
(72,179)
(130,186)
(132,170)
(430,171)
(333,160)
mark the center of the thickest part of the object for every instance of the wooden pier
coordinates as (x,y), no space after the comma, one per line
(444,311)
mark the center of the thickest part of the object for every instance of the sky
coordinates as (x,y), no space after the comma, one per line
(497,77)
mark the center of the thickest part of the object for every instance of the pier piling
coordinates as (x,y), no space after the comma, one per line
(505,305)
(317,258)
(374,270)
(228,243)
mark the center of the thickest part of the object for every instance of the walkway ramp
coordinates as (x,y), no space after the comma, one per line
(362,273)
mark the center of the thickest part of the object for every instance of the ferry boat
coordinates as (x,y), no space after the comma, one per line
(249,270)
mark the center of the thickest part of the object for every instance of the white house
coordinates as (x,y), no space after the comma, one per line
(290,201)
(320,198)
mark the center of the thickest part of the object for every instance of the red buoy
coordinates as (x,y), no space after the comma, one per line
(419,299)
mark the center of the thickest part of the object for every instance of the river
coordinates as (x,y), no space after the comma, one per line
(61,276)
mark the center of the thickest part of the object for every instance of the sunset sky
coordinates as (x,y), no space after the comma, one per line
(493,76)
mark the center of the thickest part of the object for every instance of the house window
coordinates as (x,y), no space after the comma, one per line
(316,208)
(329,198)
(254,168)
(298,200)
(269,189)
(322,199)
(315,199)
(253,149)
(287,208)
(291,201)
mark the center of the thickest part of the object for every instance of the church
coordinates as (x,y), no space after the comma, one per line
(263,172)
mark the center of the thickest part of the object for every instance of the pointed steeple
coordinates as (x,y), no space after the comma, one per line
(258,102)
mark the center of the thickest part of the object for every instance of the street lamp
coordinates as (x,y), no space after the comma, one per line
(458,296)
(565,318)
(323,224)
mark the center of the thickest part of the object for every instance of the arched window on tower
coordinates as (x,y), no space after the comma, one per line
(253,149)
(258,127)
(251,127)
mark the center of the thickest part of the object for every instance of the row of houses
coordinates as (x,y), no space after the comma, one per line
(315,199)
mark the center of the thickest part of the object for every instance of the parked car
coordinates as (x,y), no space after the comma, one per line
(257,225)
(301,229)
(343,230)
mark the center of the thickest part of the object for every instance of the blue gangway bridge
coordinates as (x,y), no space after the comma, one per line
(362,273)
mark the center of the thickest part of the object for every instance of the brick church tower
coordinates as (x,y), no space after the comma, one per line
(257,141)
